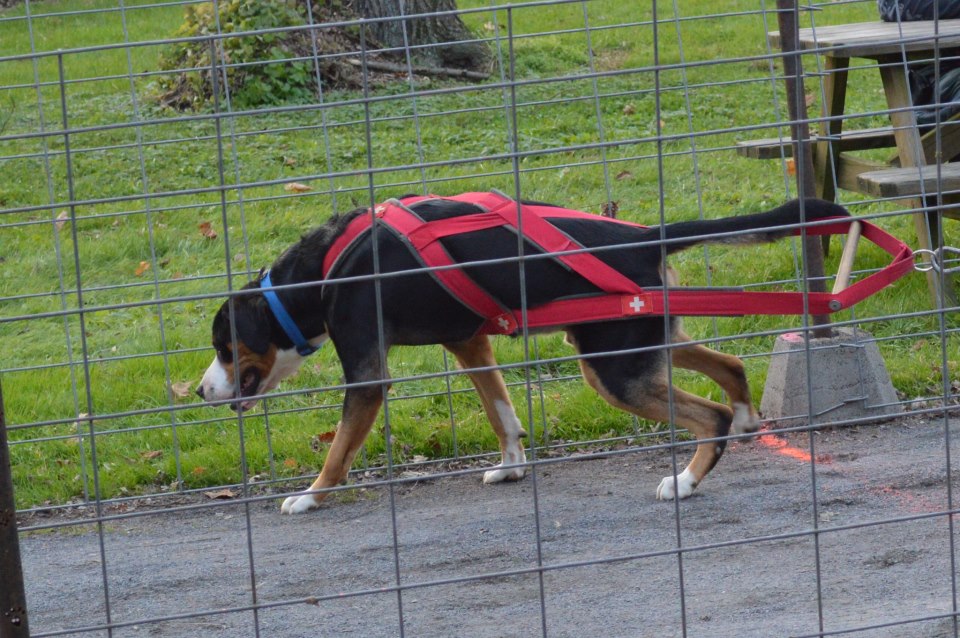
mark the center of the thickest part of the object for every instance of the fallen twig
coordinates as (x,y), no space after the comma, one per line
(390,67)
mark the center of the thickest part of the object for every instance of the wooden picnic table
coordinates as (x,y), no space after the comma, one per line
(891,45)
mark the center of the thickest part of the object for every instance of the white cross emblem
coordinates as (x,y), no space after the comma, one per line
(503,323)
(637,304)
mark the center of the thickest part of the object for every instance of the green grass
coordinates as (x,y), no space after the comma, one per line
(148,448)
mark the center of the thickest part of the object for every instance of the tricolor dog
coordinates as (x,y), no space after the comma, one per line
(451,271)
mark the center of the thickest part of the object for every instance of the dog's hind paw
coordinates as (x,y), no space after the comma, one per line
(685,484)
(298,504)
(745,419)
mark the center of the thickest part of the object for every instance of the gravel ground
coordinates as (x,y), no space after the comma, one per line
(454,530)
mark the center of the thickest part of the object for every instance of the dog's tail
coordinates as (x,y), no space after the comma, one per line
(758,228)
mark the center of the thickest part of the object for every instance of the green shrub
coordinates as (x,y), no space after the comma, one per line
(259,68)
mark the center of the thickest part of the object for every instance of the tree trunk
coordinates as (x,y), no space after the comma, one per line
(457,48)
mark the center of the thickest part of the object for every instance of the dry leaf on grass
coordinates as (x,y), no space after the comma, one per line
(322,439)
(206,229)
(181,389)
(622,175)
(297,187)
(224,494)
(151,454)
(142,268)
(62,219)
(80,425)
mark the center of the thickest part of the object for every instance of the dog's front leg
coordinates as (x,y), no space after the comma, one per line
(360,407)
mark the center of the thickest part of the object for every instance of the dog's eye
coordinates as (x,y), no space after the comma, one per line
(223,354)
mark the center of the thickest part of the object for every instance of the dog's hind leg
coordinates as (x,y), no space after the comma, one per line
(476,353)
(727,371)
(360,407)
(649,396)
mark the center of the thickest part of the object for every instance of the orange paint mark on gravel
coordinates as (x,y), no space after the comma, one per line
(914,503)
(783,447)
(911,502)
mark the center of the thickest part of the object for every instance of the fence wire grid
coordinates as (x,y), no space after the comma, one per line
(129,213)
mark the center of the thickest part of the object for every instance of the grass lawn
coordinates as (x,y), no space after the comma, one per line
(144,188)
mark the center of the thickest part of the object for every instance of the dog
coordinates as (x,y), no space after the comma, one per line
(623,359)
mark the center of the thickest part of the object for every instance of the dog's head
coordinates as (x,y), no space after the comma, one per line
(255,356)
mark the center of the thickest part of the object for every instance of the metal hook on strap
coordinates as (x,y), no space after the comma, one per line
(937,259)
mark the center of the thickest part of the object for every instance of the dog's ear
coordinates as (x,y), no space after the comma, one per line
(252,321)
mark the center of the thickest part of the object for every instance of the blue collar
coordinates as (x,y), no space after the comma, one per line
(284,319)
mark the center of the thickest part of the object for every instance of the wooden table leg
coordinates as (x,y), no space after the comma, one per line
(826,159)
(827,153)
(910,149)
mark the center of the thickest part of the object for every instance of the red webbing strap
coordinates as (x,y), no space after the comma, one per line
(429,232)
(739,303)
(551,240)
(601,307)
(352,232)
(706,302)
(422,237)
(491,200)
(499,320)
(622,298)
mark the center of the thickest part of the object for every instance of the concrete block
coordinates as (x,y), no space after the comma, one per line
(848,378)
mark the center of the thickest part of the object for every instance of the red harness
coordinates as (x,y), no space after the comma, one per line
(622,297)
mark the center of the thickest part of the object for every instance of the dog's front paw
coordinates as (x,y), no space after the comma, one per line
(511,468)
(500,475)
(684,484)
(299,503)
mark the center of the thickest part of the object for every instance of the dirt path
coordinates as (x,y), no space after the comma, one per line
(454,529)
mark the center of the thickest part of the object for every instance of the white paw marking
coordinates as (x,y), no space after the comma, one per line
(685,484)
(298,504)
(501,474)
(514,453)
(745,419)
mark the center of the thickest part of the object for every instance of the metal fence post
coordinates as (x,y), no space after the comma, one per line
(13,600)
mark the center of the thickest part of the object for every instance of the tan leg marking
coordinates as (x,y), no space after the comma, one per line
(477,353)
(727,371)
(359,413)
(705,419)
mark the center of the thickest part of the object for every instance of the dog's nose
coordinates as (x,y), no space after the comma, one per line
(200,392)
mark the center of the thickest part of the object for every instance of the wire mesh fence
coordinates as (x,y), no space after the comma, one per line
(155,158)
